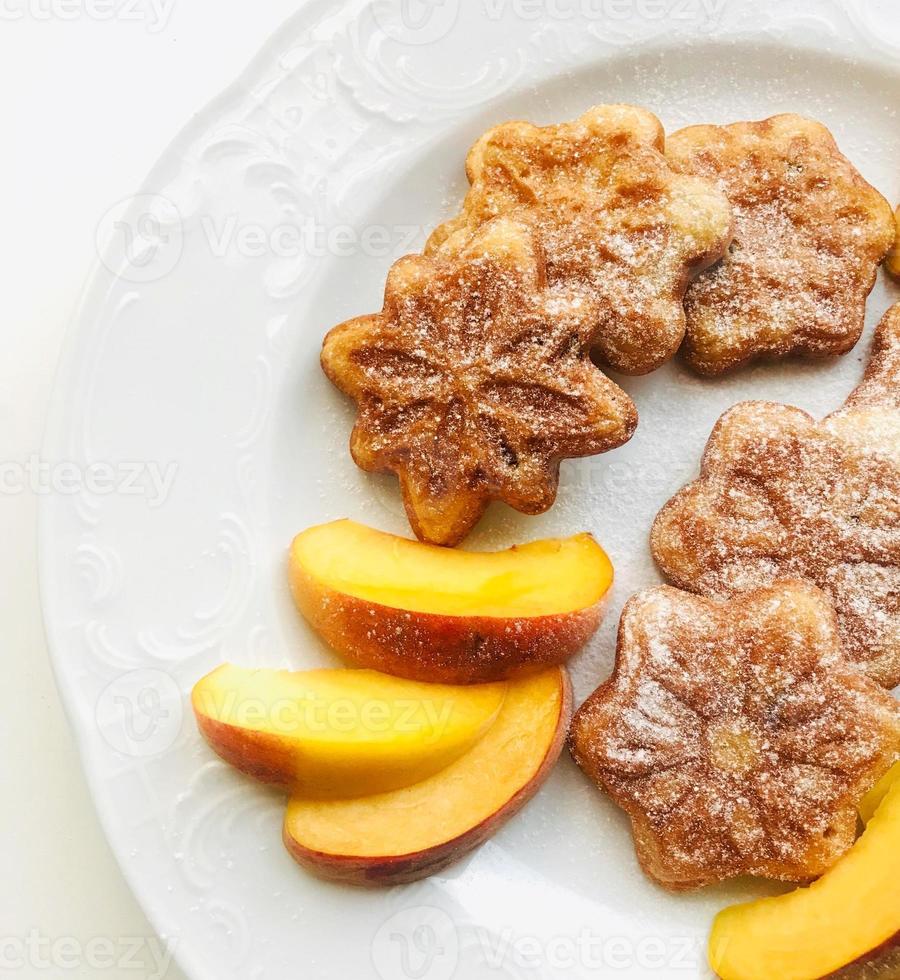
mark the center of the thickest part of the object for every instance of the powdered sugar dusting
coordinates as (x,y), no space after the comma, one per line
(474,381)
(618,227)
(736,734)
(809,235)
(781,495)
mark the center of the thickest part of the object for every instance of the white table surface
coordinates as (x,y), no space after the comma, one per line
(87,106)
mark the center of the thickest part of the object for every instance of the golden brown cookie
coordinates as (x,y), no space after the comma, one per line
(809,235)
(780,494)
(474,381)
(735,734)
(616,224)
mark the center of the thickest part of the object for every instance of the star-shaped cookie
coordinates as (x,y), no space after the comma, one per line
(735,734)
(474,381)
(808,237)
(617,225)
(780,494)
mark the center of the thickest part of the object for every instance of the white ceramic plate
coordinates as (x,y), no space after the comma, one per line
(192,366)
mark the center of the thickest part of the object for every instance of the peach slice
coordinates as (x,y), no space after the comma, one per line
(846,924)
(339,733)
(415,831)
(872,800)
(893,259)
(456,617)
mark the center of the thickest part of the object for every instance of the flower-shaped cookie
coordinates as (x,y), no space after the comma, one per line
(780,494)
(474,381)
(615,222)
(809,235)
(735,735)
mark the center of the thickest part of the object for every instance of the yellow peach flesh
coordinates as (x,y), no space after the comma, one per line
(337,733)
(541,578)
(873,799)
(451,803)
(893,259)
(807,934)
